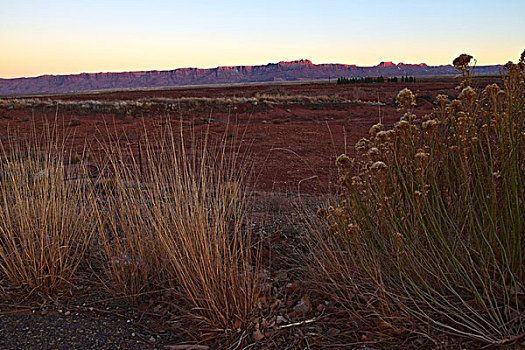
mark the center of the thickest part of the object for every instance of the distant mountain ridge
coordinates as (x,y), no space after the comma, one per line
(282,71)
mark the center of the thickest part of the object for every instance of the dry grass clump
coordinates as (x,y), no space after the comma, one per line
(46,223)
(172,218)
(430,224)
(175,218)
(148,105)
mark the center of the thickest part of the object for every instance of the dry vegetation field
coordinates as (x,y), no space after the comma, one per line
(302,216)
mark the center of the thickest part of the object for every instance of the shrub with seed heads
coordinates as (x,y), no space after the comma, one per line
(441,99)
(462,64)
(439,209)
(362,145)
(406,100)
(462,61)
(379,167)
(468,96)
(430,125)
(375,129)
(373,154)
(402,125)
(344,162)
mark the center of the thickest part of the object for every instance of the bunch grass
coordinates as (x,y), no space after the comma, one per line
(175,218)
(46,222)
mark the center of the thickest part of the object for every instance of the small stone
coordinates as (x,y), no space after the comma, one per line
(152,339)
(133,334)
(303,306)
(291,287)
(258,335)
(67,313)
(280,319)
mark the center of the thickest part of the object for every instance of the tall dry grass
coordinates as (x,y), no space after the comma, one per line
(46,222)
(174,217)
(170,218)
(429,228)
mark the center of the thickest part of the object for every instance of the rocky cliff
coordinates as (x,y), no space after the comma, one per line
(282,71)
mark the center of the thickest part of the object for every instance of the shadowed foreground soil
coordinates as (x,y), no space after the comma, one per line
(70,332)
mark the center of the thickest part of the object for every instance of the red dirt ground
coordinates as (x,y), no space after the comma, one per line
(294,145)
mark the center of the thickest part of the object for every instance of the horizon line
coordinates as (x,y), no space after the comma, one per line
(226,66)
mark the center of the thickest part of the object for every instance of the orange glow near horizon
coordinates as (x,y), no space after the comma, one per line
(74,37)
(25,65)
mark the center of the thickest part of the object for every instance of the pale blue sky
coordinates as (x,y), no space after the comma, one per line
(60,37)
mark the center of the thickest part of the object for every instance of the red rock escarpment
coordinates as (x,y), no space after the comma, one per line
(282,71)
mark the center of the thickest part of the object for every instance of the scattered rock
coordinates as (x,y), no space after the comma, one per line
(291,287)
(303,306)
(280,319)
(258,335)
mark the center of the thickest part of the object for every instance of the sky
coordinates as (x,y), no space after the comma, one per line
(68,37)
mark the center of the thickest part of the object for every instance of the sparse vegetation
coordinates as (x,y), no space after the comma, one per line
(46,222)
(178,221)
(430,225)
(138,108)
(424,240)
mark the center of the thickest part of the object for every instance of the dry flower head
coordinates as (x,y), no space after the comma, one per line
(406,99)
